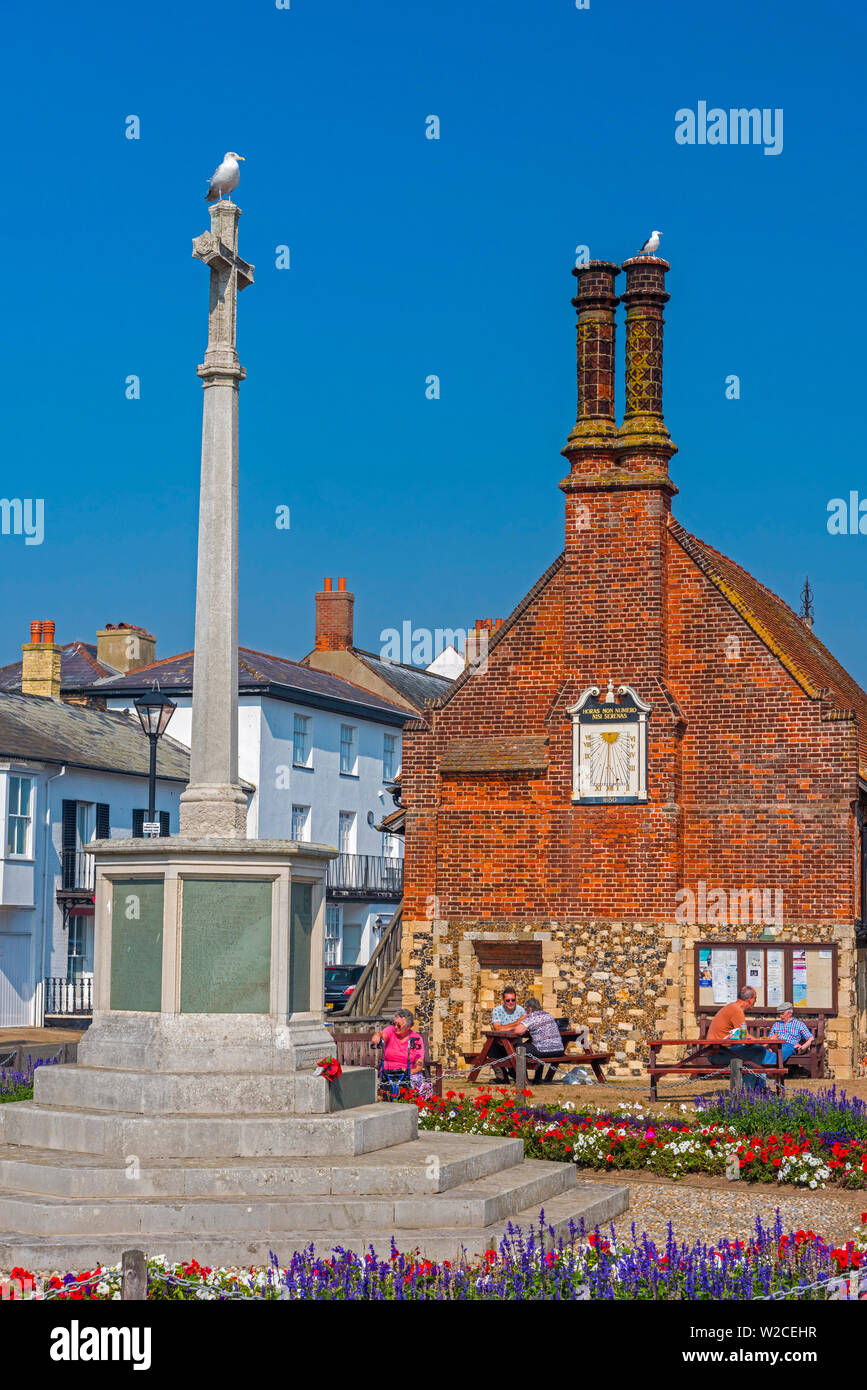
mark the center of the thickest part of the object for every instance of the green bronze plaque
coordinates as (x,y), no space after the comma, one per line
(226,946)
(299,947)
(137,944)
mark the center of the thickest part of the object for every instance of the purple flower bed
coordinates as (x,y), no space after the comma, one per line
(18,1085)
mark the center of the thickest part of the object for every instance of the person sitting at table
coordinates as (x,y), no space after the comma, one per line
(797,1036)
(545,1040)
(503,1015)
(732,1018)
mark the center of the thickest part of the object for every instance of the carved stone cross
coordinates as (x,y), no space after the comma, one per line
(218,248)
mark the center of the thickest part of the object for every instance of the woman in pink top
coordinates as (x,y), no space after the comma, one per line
(403,1054)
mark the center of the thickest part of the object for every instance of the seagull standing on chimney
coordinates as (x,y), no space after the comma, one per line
(225,177)
(649,247)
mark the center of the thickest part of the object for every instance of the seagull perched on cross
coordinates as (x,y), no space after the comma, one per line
(225,177)
(650,246)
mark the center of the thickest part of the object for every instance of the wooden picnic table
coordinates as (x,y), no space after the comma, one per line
(511,1041)
(698,1060)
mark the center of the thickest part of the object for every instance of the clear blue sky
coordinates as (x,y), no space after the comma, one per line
(410,257)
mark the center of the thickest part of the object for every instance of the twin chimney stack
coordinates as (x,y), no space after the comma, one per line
(334,617)
(601,455)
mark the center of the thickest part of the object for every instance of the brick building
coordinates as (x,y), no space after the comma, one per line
(654,788)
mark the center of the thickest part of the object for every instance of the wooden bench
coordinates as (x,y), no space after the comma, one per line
(595,1060)
(697,1063)
(760,1025)
(356,1050)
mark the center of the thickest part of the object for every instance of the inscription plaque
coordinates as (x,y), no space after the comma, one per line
(137,944)
(299,947)
(226,946)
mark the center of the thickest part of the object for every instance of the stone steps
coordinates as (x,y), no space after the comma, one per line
(459,1159)
(357,1131)
(595,1204)
(117,1090)
(478,1204)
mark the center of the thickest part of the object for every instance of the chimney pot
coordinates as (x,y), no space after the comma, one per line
(48,631)
(327,585)
(341,585)
(36,632)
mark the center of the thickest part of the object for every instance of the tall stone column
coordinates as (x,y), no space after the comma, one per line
(214,804)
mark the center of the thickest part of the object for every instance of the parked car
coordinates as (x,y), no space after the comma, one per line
(340,981)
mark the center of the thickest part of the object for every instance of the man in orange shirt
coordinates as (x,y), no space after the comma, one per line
(733,1016)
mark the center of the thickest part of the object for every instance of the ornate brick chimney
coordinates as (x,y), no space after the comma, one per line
(334,618)
(40,662)
(593,438)
(125,646)
(644,445)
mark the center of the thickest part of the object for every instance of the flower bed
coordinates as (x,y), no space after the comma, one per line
(18,1085)
(799,1265)
(627,1138)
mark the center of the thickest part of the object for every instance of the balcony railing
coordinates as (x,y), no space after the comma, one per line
(77,868)
(369,875)
(69,997)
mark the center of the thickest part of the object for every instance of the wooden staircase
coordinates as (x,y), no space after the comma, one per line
(378,992)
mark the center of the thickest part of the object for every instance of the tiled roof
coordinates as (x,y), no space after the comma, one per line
(792,642)
(256,671)
(78,667)
(413,683)
(45,730)
(495,755)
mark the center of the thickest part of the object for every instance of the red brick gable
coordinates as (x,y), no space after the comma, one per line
(815,669)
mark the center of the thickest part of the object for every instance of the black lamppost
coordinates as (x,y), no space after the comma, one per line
(154,711)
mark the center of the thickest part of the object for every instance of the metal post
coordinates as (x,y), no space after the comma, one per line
(152,777)
(134,1283)
(520,1069)
(736,1076)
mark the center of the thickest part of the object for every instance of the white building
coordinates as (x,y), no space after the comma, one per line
(318,751)
(68,775)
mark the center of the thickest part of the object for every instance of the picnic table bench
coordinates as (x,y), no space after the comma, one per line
(698,1063)
(760,1025)
(594,1060)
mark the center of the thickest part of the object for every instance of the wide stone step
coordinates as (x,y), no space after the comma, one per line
(361,1130)
(592,1204)
(202,1093)
(475,1204)
(432,1163)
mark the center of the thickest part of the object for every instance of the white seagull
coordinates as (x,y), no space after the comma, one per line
(225,177)
(648,249)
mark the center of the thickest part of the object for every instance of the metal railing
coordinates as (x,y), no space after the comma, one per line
(378,977)
(69,997)
(366,873)
(78,870)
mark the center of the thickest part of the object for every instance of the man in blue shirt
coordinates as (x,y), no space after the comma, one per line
(797,1036)
(502,1018)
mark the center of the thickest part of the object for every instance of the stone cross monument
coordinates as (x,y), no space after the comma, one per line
(214,803)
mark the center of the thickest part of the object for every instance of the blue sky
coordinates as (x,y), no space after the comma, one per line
(411,257)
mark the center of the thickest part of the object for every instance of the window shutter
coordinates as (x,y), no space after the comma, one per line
(68,843)
(164,824)
(138,819)
(103,821)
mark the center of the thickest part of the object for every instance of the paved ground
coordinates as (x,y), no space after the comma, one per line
(9,1036)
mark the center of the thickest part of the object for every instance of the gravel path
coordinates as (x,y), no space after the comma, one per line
(709,1208)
